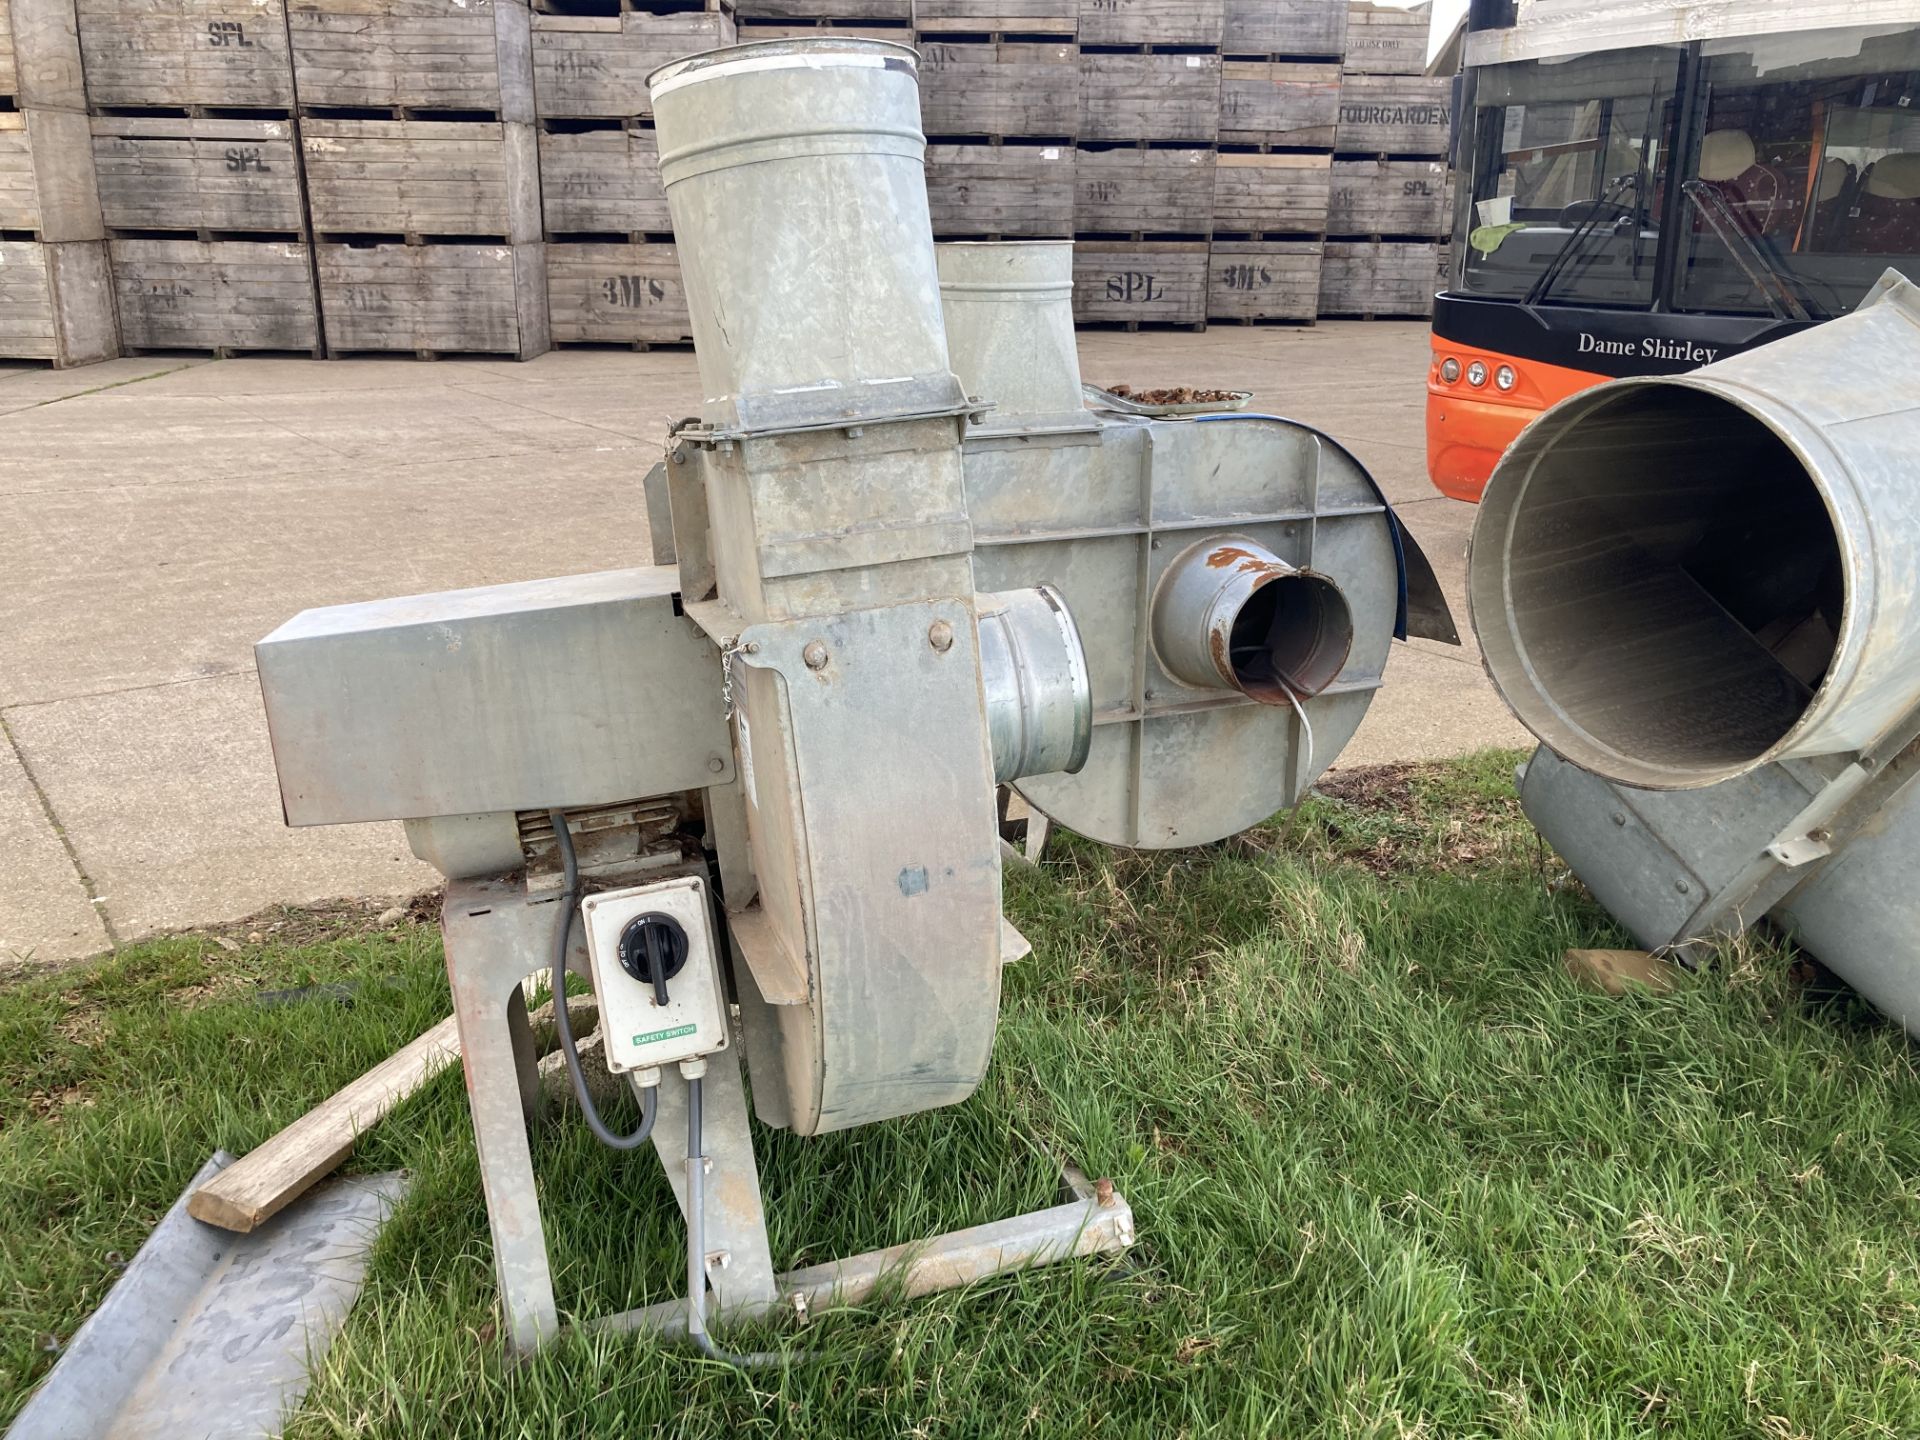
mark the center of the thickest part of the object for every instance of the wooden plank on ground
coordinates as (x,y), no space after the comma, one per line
(1615,972)
(258,1186)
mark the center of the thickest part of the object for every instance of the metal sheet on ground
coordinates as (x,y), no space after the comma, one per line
(208,1334)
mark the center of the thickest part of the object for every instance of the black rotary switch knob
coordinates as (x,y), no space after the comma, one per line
(653,949)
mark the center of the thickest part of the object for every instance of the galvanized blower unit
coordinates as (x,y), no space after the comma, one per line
(1703,594)
(751,793)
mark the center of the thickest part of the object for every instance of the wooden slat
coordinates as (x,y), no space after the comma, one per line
(603,180)
(1150,97)
(1390,197)
(1144,190)
(1268,103)
(1001,17)
(419,297)
(1271,194)
(1150,282)
(261,1183)
(1264,280)
(617,294)
(1152,22)
(209,295)
(26,303)
(1285,27)
(1378,278)
(900,11)
(421,54)
(1015,87)
(1022,190)
(9,69)
(1385,41)
(19,195)
(408,177)
(180,174)
(185,52)
(587,66)
(1394,115)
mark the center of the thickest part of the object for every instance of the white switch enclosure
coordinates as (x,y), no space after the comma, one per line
(640,1034)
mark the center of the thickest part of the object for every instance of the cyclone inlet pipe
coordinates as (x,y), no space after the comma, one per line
(1229,614)
(1039,695)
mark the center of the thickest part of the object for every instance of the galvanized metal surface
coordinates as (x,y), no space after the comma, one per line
(503,698)
(1229,614)
(807,310)
(1101,518)
(1097,1225)
(209,1334)
(1039,697)
(1677,580)
(1009,323)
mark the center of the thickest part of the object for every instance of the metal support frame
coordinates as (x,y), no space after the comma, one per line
(497,933)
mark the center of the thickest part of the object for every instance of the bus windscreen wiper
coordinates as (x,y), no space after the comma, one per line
(1575,242)
(1766,277)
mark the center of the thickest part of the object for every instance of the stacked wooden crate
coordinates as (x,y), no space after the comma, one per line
(612,273)
(1279,110)
(56,299)
(1390,207)
(199,174)
(417,135)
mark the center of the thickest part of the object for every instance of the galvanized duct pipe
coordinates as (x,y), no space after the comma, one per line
(1676,580)
(1009,318)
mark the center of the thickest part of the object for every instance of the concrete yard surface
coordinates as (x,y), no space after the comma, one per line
(160,514)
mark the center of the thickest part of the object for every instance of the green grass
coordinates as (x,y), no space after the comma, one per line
(1394,1175)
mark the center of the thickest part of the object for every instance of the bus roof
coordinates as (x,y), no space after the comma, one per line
(1553,28)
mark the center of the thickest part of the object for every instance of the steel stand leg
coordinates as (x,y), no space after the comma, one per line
(494,938)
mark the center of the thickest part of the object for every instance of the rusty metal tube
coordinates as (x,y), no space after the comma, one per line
(1229,614)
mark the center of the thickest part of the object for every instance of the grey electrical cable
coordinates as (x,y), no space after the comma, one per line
(1293,699)
(563,1023)
(697,1252)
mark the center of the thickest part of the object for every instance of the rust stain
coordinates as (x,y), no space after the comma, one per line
(1245,561)
(1217,643)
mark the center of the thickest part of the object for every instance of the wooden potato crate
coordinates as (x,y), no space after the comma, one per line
(1285,27)
(9,67)
(617,294)
(1152,22)
(898,11)
(56,302)
(1143,283)
(1382,41)
(1394,115)
(414,54)
(47,187)
(421,177)
(1132,191)
(484,299)
(1378,278)
(603,181)
(1267,103)
(1264,280)
(171,174)
(1009,87)
(997,17)
(219,295)
(186,53)
(1150,97)
(1011,190)
(1270,194)
(593,66)
(1390,197)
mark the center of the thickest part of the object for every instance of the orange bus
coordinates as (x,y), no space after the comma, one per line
(1644,193)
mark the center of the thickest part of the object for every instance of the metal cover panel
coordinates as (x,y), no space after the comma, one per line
(566,692)
(209,1333)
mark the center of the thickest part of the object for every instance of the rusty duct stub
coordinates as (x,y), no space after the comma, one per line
(1230,614)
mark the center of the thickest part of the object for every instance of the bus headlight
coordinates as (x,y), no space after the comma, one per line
(1477,374)
(1449,370)
(1504,378)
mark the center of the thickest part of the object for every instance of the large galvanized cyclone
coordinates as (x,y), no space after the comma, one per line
(808,310)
